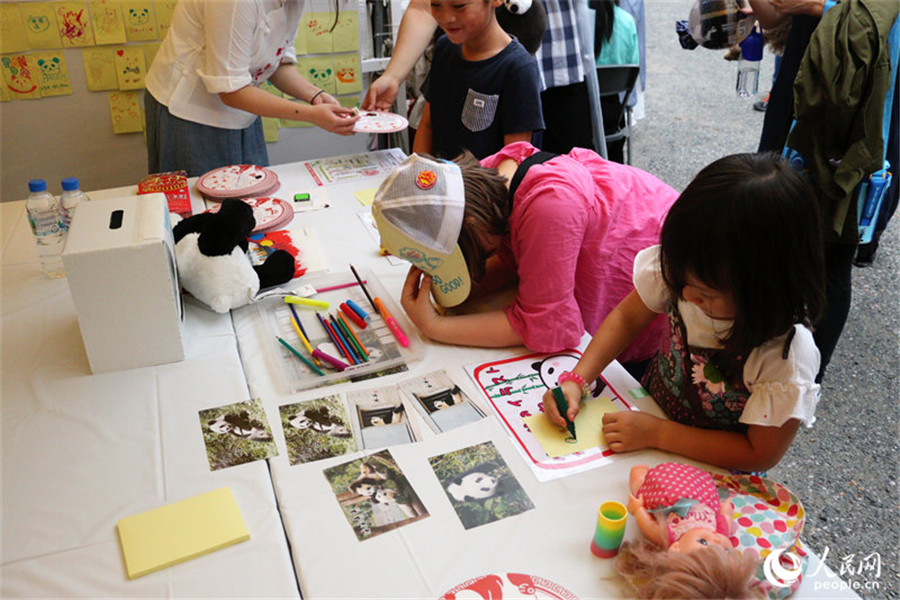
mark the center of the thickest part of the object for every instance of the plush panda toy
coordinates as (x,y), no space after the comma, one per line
(211,254)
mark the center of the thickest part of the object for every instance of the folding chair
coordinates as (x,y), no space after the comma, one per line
(616,83)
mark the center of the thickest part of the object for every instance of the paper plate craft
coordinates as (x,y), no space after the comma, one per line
(237,181)
(380,122)
(270,213)
(509,585)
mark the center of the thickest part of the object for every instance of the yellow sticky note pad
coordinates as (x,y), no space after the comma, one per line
(177,532)
(366,197)
(588,424)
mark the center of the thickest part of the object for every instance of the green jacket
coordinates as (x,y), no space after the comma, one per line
(839,98)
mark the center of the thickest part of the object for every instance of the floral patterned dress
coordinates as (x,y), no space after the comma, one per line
(700,387)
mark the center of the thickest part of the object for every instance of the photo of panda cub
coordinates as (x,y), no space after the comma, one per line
(480,485)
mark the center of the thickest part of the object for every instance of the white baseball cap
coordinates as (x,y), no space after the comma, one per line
(419,213)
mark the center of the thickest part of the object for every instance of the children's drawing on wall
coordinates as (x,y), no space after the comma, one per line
(480,485)
(125,111)
(316,429)
(21,77)
(100,69)
(316,29)
(380,417)
(54,73)
(130,68)
(348,73)
(109,25)
(236,434)
(13,33)
(164,11)
(74,27)
(40,25)
(375,495)
(140,20)
(345,37)
(319,70)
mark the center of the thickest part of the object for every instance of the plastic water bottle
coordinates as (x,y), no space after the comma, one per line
(70,198)
(46,224)
(748,65)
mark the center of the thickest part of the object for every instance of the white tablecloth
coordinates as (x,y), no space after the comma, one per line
(82,451)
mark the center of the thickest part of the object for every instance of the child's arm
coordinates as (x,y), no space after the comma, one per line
(616,331)
(422,143)
(757,450)
(523,136)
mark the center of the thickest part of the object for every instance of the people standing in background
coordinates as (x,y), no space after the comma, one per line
(203,104)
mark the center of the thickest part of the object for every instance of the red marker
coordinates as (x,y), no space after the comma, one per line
(353,316)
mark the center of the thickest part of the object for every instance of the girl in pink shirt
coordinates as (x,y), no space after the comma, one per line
(568,235)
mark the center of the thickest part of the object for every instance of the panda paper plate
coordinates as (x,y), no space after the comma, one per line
(509,586)
(379,122)
(270,213)
(237,181)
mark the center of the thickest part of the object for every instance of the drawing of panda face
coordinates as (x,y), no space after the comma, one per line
(138,16)
(321,76)
(38,23)
(50,68)
(553,366)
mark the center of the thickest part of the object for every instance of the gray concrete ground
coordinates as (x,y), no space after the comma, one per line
(844,468)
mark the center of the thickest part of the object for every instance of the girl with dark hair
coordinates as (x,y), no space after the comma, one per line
(739,273)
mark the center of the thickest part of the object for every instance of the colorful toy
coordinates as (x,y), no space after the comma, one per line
(611,517)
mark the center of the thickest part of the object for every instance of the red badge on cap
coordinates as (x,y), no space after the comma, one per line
(425,180)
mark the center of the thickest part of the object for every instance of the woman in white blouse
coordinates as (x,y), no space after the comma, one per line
(203,104)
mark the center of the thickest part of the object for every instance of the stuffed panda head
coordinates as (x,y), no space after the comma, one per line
(517,7)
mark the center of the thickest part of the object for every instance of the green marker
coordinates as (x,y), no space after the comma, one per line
(563,408)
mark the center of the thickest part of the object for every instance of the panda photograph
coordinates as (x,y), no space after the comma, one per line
(480,485)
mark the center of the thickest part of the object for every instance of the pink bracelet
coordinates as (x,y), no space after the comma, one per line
(570,376)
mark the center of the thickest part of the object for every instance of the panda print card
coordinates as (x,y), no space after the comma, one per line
(379,417)
(316,429)
(441,402)
(480,485)
(374,494)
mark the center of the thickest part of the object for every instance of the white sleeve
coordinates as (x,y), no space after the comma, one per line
(229,27)
(648,280)
(782,388)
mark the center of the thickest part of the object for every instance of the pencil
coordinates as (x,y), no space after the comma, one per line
(293,351)
(348,335)
(337,330)
(333,338)
(299,322)
(305,341)
(363,286)
(334,362)
(340,286)
(358,341)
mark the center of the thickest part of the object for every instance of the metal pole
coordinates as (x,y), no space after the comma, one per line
(585,22)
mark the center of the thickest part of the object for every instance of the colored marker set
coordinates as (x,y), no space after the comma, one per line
(332,335)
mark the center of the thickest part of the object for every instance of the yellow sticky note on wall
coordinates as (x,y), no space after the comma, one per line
(100,69)
(21,76)
(164,11)
(13,35)
(140,20)
(319,71)
(40,25)
(109,24)
(316,28)
(54,73)
(345,37)
(270,129)
(180,531)
(125,112)
(348,73)
(130,67)
(74,25)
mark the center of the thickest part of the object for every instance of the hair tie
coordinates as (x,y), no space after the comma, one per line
(517,7)
(316,95)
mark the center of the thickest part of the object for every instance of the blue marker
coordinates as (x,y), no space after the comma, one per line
(362,314)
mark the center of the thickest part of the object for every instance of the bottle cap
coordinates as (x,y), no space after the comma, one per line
(37,185)
(752,46)
(69,184)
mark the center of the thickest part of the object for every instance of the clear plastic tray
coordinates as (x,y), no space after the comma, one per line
(386,354)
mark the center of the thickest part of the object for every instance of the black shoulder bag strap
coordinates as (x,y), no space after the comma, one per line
(534,159)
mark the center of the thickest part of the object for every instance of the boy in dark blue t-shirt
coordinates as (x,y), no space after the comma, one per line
(483,89)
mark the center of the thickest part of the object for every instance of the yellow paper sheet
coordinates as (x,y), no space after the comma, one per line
(316,28)
(109,24)
(180,531)
(40,25)
(125,111)
(367,196)
(319,70)
(130,67)
(54,73)
(21,76)
(345,37)
(270,129)
(164,11)
(100,69)
(140,20)
(73,23)
(587,428)
(348,73)
(150,51)
(13,34)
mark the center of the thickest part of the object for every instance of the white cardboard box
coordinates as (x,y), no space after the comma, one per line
(120,264)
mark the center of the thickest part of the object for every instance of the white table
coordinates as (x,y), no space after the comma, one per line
(82,451)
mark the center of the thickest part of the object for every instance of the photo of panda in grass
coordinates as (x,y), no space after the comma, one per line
(480,485)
